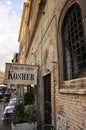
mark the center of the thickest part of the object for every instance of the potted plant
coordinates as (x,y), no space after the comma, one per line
(18,113)
(31,113)
(24,117)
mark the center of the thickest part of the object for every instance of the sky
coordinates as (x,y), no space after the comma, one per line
(10,19)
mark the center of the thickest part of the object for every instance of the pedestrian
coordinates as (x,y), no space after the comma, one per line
(4,101)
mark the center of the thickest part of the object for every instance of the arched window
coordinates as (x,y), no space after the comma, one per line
(73,42)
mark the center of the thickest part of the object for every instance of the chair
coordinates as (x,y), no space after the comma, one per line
(48,127)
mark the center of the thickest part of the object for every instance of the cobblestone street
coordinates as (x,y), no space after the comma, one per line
(2,126)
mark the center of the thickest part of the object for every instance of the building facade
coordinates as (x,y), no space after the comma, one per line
(1,77)
(54,40)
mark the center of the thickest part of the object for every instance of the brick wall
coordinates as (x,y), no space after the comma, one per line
(45,46)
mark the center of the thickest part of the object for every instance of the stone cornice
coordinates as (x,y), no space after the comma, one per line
(23,21)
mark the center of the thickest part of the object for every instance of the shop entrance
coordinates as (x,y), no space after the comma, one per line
(47,99)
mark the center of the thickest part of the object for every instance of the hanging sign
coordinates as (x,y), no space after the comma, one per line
(20,74)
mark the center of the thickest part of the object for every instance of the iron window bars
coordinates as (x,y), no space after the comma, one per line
(74,45)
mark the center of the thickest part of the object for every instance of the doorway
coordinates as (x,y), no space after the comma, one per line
(47,99)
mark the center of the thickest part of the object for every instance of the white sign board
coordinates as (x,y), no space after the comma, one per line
(20,74)
(61,122)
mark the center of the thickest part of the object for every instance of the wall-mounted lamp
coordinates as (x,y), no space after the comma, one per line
(32,85)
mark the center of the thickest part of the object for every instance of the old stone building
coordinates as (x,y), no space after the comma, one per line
(52,36)
(1,77)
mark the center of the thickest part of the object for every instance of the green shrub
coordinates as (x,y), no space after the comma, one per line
(22,114)
(19,113)
(31,113)
(28,98)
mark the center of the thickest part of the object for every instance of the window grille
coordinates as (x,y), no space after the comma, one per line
(74,45)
